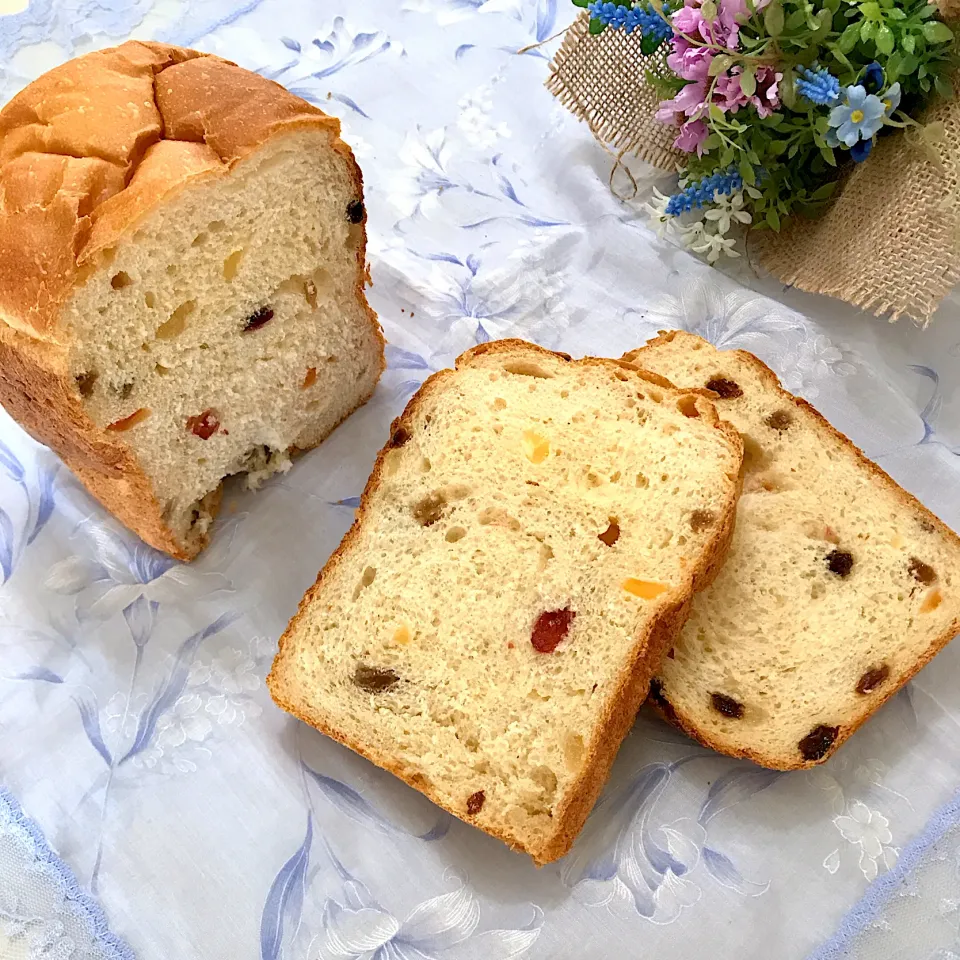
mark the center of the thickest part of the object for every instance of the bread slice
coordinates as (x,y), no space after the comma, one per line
(525,548)
(182,263)
(838,588)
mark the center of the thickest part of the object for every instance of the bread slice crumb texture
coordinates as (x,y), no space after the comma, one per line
(839,585)
(523,552)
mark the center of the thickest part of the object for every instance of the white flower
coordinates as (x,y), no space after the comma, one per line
(727,211)
(714,245)
(422,176)
(232,672)
(656,210)
(184,722)
(474,119)
(870,830)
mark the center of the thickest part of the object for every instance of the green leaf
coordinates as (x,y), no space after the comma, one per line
(796,19)
(773,18)
(849,37)
(936,32)
(581,3)
(824,192)
(896,14)
(708,9)
(909,42)
(716,114)
(753,157)
(827,154)
(773,220)
(726,157)
(867,28)
(748,81)
(597,27)
(944,87)
(712,142)
(650,43)
(719,64)
(792,152)
(822,125)
(747,172)
(893,66)
(871,10)
(788,89)
(884,39)
(777,148)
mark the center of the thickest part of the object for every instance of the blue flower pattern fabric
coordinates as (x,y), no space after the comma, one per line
(191,817)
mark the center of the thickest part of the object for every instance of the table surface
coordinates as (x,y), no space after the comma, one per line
(190,818)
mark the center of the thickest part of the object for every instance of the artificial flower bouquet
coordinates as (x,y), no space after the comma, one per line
(767,108)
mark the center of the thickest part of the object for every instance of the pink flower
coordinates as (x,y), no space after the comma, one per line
(692,135)
(689,101)
(688,61)
(767,97)
(727,94)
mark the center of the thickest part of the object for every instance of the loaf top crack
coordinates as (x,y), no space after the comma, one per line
(525,549)
(838,588)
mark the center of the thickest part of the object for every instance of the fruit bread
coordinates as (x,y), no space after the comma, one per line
(181,279)
(524,551)
(838,588)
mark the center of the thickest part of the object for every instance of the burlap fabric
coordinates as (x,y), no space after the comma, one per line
(889,243)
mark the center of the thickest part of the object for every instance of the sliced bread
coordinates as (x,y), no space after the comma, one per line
(838,588)
(524,551)
(182,254)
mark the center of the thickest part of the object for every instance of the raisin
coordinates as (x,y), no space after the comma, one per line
(725,389)
(564,356)
(257,319)
(374,679)
(355,211)
(700,520)
(399,437)
(873,678)
(430,509)
(204,425)
(922,571)
(840,562)
(779,420)
(475,802)
(85,383)
(817,742)
(657,695)
(611,535)
(726,705)
(550,629)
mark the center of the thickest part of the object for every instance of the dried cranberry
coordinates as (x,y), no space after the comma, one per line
(840,562)
(726,705)
(204,425)
(475,802)
(611,535)
(725,389)
(817,742)
(922,571)
(873,678)
(257,319)
(355,211)
(374,679)
(550,629)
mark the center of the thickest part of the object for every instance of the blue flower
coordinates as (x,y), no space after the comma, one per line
(860,151)
(697,194)
(630,17)
(858,117)
(818,86)
(873,77)
(891,99)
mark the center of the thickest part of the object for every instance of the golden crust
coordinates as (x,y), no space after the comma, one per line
(909,502)
(633,682)
(87,151)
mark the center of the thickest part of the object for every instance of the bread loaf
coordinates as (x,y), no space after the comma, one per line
(524,551)
(181,279)
(838,588)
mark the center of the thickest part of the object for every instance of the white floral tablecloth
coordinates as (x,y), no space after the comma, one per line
(156,804)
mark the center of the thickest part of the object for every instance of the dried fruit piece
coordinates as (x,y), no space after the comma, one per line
(931,601)
(921,571)
(178,321)
(536,448)
(138,416)
(399,436)
(726,705)
(204,425)
(475,802)
(873,678)
(310,379)
(550,629)
(374,679)
(257,319)
(817,742)
(355,211)
(645,589)
(779,420)
(725,389)
(840,562)
(85,383)
(402,635)
(430,509)
(612,534)
(700,520)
